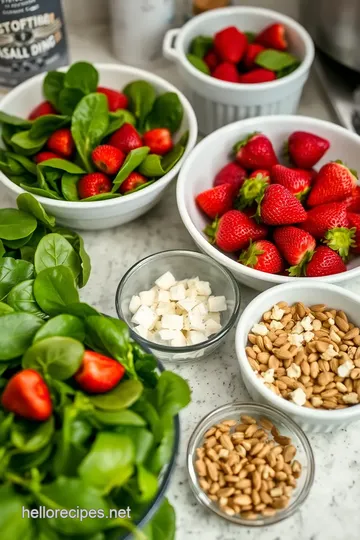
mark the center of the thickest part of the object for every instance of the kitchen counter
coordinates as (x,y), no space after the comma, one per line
(331,511)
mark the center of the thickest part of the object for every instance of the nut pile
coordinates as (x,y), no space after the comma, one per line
(248,468)
(307,355)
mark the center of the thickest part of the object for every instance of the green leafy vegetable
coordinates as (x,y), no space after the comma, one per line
(167,112)
(62,325)
(13,120)
(52,86)
(156,166)
(15,224)
(198,63)
(69,187)
(132,161)
(30,205)
(276,60)
(45,125)
(201,45)
(12,272)
(54,288)
(55,250)
(82,76)
(26,145)
(21,298)
(124,395)
(142,97)
(16,333)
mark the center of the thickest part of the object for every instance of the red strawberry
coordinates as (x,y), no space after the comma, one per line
(255,152)
(354,220)
(116,100)
(93,184)
(280,207)
(257,76)
(273,37)
(324,217)
(211,60)
(41,110)
(306,149)
(234,230)
(230,44)
(264,256)
(133,181)
(44,156)
(252,189)
(159,141)
(226,72)
(296,245)
(252,51)
(217,200)
(126,139)
(231,174)
(353,201)
(297,181)
(107,158)
(325,262)
(333,183)
(61,142)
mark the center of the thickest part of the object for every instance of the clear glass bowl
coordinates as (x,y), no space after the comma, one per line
(286,426)
(182,264)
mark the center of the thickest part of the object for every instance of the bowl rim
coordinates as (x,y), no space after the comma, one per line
(271,412)
(153,188)
(245,10)
(350,413)
(189,348)
(219,256)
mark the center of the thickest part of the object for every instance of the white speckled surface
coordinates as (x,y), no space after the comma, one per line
(331,511)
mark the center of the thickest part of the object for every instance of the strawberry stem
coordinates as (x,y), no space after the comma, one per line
(249,257)
(299,270)
(341,239)
(210,230)
(301,196)
(244,142)
(251,189)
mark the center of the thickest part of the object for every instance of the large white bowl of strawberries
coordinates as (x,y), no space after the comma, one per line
(97,145)
(275,199)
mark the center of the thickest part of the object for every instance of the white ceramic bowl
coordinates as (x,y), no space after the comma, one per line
(309,293)
(213,153)
(110,213)
(217,102)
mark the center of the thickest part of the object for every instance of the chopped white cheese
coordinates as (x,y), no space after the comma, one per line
(147,298)
(187,304)
(203,288)
(173,322)
(165,308)
(196,321)
(212,327)
(177,292)
(134,305)
(194,337)
(163,296)
(143,332)
(217,303)
(165,281)
(179,341)
(145,317)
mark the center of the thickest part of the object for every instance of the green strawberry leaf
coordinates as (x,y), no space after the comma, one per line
(244,142)
(250,36)
(210,230)
(250,191)
(341,239)
(249,257)
(299,270)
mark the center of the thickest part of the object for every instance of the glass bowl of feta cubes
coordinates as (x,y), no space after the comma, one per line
(181,304)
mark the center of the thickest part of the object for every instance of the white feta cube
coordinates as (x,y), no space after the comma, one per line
(163,296)
(165,281)
(143,332)
(200,309)
(186,322)
(203,288)
(187,305)
(135,303)
(212,327)
(194,337)
(191,293)
(192,283)
(168,335)
(147,298)
(165,308)
(179,341)
(211,316)
(145,317)
(177,292)
(217,303)
(196,321)
(173,322)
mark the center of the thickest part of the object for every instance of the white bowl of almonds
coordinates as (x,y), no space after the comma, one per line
(298,346)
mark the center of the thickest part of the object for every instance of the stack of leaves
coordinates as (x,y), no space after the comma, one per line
(82,128)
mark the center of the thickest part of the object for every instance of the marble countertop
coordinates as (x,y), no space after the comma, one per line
(331,511)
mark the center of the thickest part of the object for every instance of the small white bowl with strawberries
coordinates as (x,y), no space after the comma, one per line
(270,199)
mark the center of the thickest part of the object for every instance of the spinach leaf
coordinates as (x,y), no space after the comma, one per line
(77,243)
(109,336)
(132,161)
(21,298)
(201,45)
(5,309)
(250,36)
(122,396)
(275,60)
(147,485)
(27,203)
(16,244)
(142,439)
(25,162)
(24,462)
(198,63)
(83,76)
(15,224)
(156,166)
(89,124)
(139,188)
(118,119)
(12,523)
(141,96)
(45,125)
(59,357)
(123,417)
(54,288)
(286,71)
(72,493)
(172,394)
(62,165)
(52,86)
(13,120)
(69,98)
(27,253)
(8,165)
(16,333)
(55,250)
(167,112)
(69,187)
(163,525)
(41,192)
(161,455)
(30,437)
(13,272)
(110,461)
(2,249)
(80,309)
(62,325)
(24,144)
(102,197)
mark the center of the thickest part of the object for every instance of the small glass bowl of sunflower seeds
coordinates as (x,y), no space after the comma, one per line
(250,464)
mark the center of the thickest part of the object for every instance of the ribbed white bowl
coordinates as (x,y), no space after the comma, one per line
(218,103)
(310,420)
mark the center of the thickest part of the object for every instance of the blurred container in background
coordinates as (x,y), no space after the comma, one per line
(195,7)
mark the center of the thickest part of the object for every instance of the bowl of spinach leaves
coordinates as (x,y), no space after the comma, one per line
(78,106)
(67,447)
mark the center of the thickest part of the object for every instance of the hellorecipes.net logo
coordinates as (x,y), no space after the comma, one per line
(42,512)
